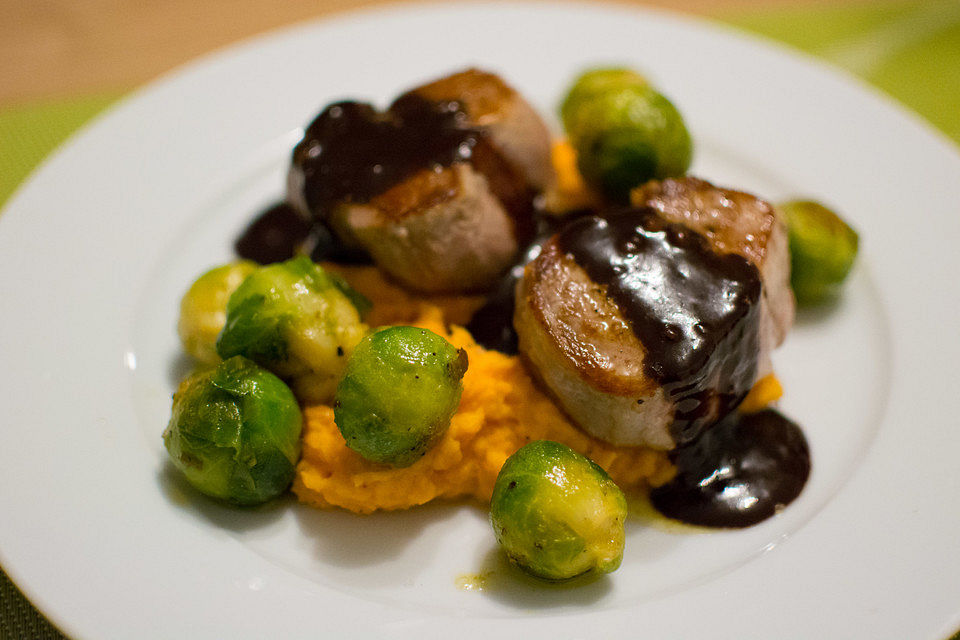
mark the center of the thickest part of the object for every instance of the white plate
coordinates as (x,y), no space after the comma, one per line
(97,247)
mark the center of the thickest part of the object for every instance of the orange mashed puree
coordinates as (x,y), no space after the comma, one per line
(501,409)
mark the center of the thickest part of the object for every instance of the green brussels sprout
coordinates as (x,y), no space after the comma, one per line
(624,132)
(400,389)
(556,514)
(235,432)
(822,250)
(203,309)
(591,84)
(297,320)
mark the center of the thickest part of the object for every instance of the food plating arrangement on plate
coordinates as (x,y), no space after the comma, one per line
(452,304)
(372,328)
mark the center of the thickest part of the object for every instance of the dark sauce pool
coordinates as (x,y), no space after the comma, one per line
(739,472)
(274,236)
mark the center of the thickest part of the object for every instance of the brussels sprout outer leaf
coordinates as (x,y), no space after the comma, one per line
(261,312)
(360,301)
(235,432)
(556,514)
(255,331)
(400,389)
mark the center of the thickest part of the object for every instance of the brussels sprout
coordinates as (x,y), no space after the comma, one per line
(624,132)
(235,432)
(297,320)
(203,309)
(556,514)
(591,84)
(822,250)
(396,398)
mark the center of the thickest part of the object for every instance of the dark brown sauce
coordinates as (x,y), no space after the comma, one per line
(696,313)
(737,473)
(492,324)
(280,233)
(352,153)
(273,236)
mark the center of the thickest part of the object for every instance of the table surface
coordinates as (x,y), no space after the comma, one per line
(64,61)
(54,48)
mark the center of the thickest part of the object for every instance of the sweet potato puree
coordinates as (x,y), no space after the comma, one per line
(501,409)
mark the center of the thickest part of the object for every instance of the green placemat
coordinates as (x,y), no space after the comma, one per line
(911,50)
(18,619)
(29,132)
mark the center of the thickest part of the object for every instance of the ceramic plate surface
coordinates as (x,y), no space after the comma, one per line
(98,246)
